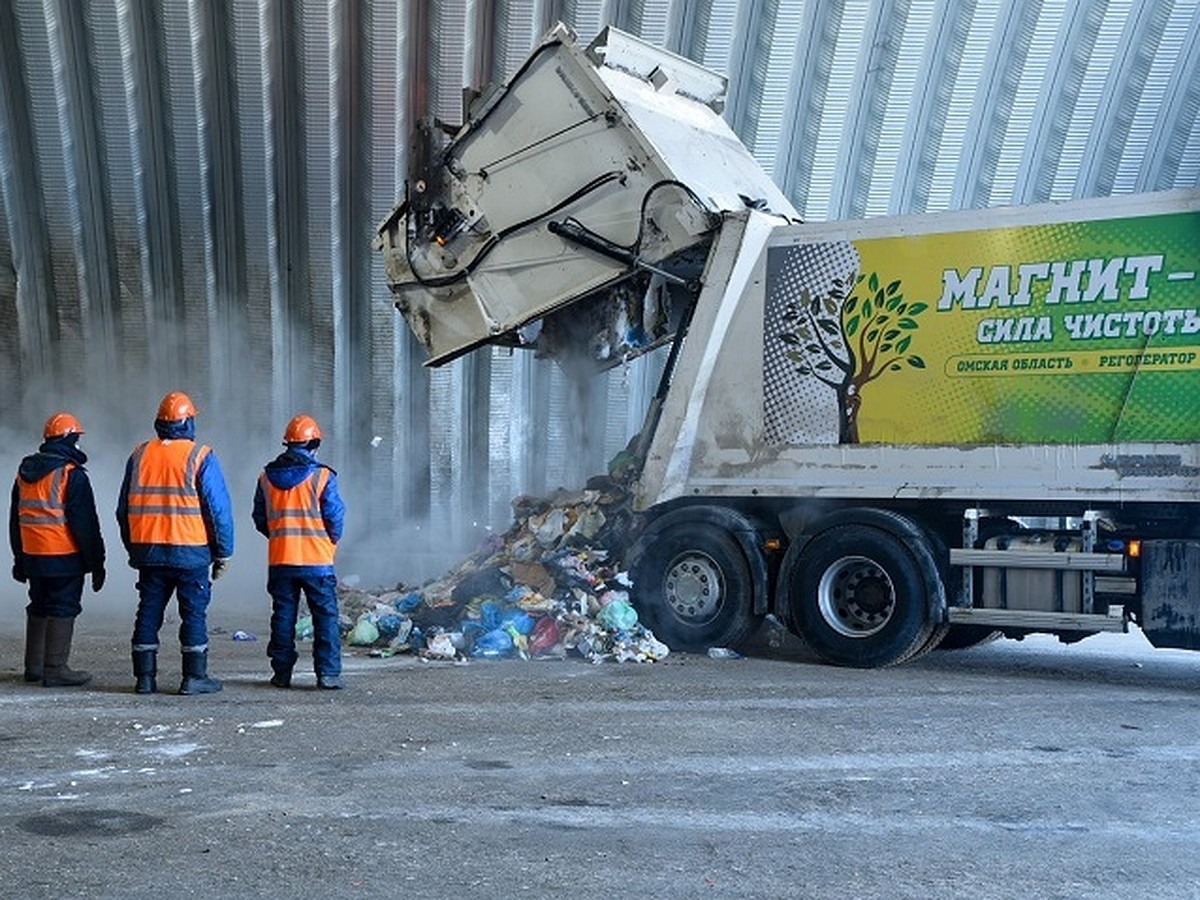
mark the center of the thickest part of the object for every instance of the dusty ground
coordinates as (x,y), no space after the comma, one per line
(1012,770)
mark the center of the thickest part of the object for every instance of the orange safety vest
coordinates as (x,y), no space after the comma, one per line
(42,515)
(295,528)
(164,505)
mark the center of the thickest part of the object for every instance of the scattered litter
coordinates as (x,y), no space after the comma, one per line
(776,633)
(245,636)
(550,585)
(723,653)
(174,750)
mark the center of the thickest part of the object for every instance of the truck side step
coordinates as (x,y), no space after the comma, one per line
(1034,620)
(1018,559)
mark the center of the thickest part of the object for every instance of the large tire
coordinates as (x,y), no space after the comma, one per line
(693,587)
(858,597)
(936,636)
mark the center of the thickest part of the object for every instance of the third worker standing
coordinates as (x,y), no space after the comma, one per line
(298,508)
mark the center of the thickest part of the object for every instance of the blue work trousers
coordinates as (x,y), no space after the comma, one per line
(193,590)
(55,595)
(321,593)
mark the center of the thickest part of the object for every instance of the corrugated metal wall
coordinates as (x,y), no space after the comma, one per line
(188,191)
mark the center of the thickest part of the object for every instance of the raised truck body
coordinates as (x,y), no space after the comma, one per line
(891,433)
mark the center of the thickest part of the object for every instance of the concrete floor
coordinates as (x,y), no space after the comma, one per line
(1012,770)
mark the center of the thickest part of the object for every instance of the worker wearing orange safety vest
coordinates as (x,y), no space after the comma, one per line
(176,521)
(298,508)
(56,540)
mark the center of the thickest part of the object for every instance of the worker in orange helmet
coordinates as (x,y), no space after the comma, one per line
(176,521)
(56,540)
(298,508)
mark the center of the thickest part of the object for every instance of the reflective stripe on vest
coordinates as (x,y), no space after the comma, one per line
(164,505)
(42,515)
(295,528)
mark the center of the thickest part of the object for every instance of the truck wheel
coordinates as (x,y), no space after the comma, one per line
(693,587)
(936,636)
(858,598)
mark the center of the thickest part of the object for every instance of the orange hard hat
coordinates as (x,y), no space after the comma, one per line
(60,425)
(301,430)
(176,406)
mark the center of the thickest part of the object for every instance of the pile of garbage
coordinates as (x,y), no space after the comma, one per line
(549,585)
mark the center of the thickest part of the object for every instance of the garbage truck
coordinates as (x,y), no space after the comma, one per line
(889,433)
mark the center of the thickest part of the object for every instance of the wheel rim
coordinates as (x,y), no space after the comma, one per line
(856,597)
(693,587)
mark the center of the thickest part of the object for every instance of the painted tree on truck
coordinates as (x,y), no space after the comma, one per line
(847,340)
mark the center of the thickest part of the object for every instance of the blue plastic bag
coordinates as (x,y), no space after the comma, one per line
(407,603)
(520,620)
(389,625)
(493,644)
(489,615)
(517,593)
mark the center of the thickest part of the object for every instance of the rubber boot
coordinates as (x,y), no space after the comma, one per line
(282,679)
(195,674)
(145,670)
(35,646)
(55,671)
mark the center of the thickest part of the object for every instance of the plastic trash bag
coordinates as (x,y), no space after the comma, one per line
(653,647)
(610,596)
(441,646)
(545,636)
(471,629)
(403,637)
(520,622)
(389,625)
(489,615)
(304,628)
(408,602)
(364,633)
(617,616)
(516,594)
(520,641)
(493,644)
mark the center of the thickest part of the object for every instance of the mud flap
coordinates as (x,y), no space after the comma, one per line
(1170,601)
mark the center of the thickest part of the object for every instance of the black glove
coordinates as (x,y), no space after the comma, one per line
(97,580)
(218,568)
(19,572)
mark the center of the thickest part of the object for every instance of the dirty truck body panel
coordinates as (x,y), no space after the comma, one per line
(1077,379)
(892,434)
